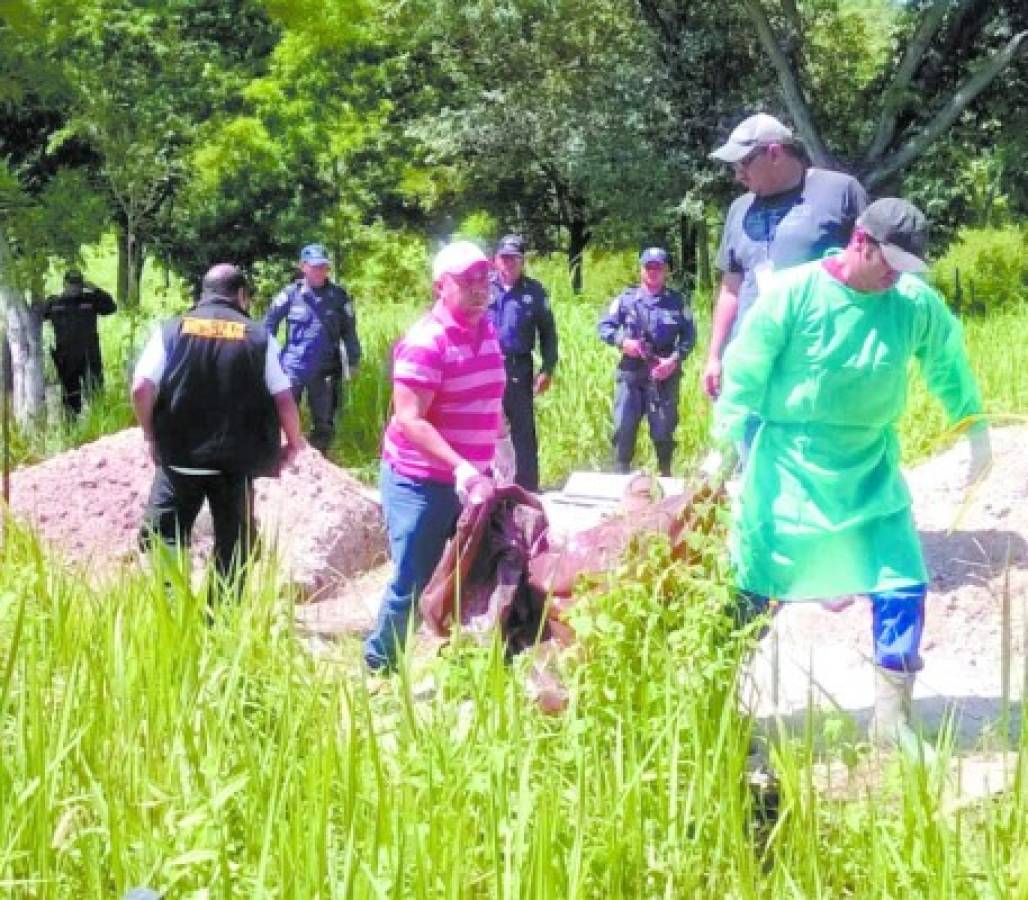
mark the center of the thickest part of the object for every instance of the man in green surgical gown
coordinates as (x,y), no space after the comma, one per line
(822,360)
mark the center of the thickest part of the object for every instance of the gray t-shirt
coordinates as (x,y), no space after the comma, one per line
(787,229)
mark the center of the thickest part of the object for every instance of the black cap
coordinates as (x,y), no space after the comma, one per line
(74,276)
(511,245)
(901,230)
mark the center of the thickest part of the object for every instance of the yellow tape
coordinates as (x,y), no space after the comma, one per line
(218,329)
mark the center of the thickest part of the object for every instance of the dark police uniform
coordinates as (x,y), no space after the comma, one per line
(317,319)
(215,426)
(519,314)
(665,325)
(76,352)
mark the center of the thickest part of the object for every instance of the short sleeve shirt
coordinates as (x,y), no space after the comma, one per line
(153,359)
(462,367)
(788,229)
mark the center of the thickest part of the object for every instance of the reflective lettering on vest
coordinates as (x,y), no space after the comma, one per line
(217,329)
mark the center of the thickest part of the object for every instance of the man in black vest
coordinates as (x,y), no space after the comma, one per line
(76,352)
(211,397)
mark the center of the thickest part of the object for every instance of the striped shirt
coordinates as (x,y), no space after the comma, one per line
(463,369)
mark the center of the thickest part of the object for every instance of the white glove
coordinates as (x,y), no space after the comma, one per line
(504,464)
(471,485)
(980,461)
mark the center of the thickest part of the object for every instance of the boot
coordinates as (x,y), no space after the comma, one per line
(893,692)
(665,450)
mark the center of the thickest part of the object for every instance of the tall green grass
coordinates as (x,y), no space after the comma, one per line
(140,746)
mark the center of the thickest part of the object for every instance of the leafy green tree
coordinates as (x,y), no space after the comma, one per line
(312,150)
(144,78)
(48,206)
(552,119)
(885,82)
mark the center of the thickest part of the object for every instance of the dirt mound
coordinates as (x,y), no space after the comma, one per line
(977,555)
(88,503)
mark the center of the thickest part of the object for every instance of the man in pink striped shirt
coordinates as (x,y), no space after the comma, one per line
(438,449)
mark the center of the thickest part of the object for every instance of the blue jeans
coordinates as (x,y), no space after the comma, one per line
(897,622)
(419,517)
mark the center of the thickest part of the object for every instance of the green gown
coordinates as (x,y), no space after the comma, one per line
(823,509)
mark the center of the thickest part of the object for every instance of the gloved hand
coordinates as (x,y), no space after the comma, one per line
(980,461)
(471,485)
(665,368)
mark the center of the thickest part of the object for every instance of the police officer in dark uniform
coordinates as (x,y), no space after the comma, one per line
(76,352)
(653,327)
(320,317)
(211,397)
(521,312)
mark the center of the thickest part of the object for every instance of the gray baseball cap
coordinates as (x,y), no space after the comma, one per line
(900,229)
(756,131)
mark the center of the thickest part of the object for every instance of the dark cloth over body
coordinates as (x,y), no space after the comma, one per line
(213,409)
(507,572)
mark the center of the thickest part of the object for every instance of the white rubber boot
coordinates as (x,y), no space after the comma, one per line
(893,691)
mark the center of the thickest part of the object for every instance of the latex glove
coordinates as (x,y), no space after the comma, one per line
(504,464)
(980,461)
(712,378)
(664,369)
(542,383)
(472,486)
(633,347)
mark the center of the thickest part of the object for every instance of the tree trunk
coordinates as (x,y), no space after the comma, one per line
(138,260)
(578,238)
(134,273)
(25,341)
(704,282)
(122,287)
(686,247)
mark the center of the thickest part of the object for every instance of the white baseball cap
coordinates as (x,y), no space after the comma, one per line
(457,258)
(756,131)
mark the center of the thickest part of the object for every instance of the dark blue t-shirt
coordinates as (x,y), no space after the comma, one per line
(787,229)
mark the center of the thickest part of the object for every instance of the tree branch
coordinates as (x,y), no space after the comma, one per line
(962,33)
(970,88)
(895,97)
(795,22)
(792,90)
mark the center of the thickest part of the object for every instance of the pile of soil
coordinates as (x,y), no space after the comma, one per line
(976,550)
(87,504)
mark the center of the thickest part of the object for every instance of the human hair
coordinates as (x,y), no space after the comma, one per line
(224,280)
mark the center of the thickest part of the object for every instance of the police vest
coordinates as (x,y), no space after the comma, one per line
(213,409)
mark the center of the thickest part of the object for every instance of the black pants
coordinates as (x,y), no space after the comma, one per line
(519,408)
(323,399)
(78,377)
(175,502)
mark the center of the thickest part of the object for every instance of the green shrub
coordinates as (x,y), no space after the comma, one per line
(985,269)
